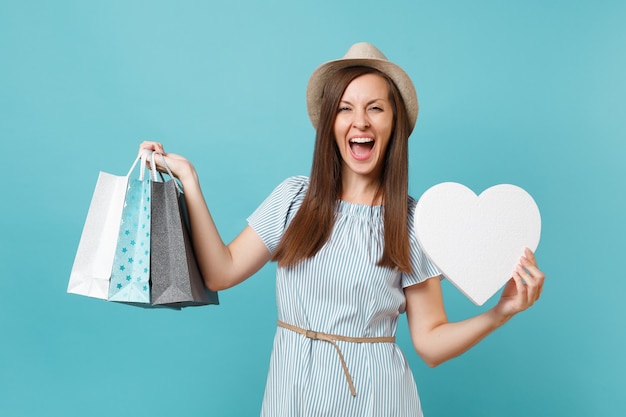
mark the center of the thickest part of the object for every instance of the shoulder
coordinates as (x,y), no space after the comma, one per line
(289,193)
(271,218)
(296,182)
(292,189)
(423,268)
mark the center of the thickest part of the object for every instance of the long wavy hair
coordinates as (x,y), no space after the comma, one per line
(311,227)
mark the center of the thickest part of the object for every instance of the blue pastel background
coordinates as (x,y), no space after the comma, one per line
(529,93)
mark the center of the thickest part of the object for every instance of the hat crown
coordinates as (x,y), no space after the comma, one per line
(367,55)
(364,50)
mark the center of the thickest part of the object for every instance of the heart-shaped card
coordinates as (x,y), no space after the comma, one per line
(476,241)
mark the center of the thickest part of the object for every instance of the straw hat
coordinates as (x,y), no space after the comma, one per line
(361,54)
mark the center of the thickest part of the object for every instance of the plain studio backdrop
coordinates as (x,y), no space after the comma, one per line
(529,93)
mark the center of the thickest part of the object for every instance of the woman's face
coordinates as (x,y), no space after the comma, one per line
(363,125)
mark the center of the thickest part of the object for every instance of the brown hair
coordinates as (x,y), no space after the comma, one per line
(313,223)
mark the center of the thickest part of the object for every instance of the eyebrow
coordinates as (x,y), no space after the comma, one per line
(367,104)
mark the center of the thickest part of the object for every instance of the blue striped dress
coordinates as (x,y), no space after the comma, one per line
(339,291)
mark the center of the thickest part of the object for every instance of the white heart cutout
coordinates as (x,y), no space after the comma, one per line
(476,241)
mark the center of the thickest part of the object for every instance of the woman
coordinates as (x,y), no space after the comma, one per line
(348,261)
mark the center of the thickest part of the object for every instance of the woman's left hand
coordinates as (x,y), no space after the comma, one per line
(523,289)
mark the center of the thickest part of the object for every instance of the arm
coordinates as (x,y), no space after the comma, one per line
(437,340)
(222,266)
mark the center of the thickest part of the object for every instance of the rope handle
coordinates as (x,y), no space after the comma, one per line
(154,172)
(143,157)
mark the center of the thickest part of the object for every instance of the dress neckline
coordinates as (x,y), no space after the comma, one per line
(347,207)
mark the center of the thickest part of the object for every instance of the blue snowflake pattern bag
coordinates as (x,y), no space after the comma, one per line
(130,275)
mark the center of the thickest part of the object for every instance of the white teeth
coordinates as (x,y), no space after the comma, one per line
(361,140)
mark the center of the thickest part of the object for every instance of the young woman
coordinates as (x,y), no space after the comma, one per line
(348,261)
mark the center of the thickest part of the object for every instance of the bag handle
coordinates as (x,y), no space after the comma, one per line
(153,171)
(143,157)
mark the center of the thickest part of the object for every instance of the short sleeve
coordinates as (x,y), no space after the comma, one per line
(271,218)
(422,266)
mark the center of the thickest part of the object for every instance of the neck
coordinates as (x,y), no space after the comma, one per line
(360,190)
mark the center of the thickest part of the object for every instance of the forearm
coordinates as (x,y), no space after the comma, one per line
(450,339)
(213,256)
(222,266)
(437,340)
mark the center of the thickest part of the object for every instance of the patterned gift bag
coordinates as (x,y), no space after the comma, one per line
(130,276)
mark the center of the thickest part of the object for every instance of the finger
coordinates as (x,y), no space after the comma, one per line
(510,289)
(522,290)
(528,254)
(523,272)
(151,146)
(538,287)
(528,259)
(533,285)
(531,268)
(533,271)
(537,292)
(530,262)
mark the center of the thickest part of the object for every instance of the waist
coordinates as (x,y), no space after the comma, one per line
(315,335)
(332,338)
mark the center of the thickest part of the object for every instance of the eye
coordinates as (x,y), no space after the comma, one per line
(343,109)
(376,108)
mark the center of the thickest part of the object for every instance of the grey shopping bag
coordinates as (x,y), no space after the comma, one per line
(175,278)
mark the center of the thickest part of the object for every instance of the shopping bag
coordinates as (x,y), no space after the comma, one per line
(175,277)
(130,274)
(91,270)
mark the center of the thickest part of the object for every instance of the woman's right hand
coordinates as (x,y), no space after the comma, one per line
(180,166)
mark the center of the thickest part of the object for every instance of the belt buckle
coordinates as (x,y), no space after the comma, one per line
(311,334)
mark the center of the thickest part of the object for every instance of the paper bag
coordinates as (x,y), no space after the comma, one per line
(130,274)
(175,276)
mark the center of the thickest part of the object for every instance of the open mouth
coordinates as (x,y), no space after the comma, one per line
(361,148)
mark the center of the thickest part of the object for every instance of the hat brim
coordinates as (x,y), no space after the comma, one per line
(321,75)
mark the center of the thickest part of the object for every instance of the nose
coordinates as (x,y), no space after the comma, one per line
(361,121)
